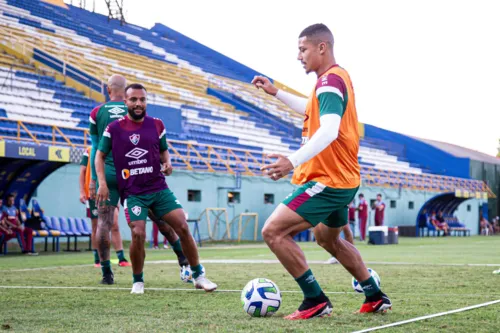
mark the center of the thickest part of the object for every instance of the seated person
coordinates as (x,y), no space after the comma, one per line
(486,227)
(10,218)
(439,223)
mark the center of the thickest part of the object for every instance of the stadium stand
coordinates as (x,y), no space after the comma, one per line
(55,62)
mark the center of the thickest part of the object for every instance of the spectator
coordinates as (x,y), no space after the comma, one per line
(10,218)
(486,227)
(379,211)
(422,221)
(439,223)
(362,216)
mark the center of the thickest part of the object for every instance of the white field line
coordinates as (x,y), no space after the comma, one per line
(233,290)
(258,262)
(399,323)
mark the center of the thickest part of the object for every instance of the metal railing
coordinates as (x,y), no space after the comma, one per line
(196,156)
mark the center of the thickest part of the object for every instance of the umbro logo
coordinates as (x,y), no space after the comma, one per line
(116,112)
(136,153)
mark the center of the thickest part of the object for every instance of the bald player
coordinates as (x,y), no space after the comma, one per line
(326,169)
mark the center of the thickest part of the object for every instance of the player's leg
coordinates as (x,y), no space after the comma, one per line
(155,233)
(348,237)
(105,220)
(116,237)
(28,234)
(169,234)
(362,228)
(298,212)
(327,235)
(136,212)
(92,215)
(168,207)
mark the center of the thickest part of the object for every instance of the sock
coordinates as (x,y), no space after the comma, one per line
(138,277)
(177,246)
(370,287)
(96,256)
(197,271)
(310,287)
(120,255)
(106,267)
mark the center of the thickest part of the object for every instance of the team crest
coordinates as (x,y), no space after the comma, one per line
(134,138)
(136,210)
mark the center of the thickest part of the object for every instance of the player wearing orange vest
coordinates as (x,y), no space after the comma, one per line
(326,168)
(116,238)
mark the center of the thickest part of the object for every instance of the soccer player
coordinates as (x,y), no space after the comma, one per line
(362,216)
(379,208)
(10,221)
(116,239)
(139,148)
(327,168)
(107,213)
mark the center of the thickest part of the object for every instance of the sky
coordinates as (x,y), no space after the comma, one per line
(428,69)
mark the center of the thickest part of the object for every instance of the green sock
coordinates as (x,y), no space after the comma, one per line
(177,246)
(370,287)
(96,256)
(197,270)
(120,255)
(106,267)
(310,287)
(138,277)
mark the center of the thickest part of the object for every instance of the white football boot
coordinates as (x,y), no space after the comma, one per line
(138,288)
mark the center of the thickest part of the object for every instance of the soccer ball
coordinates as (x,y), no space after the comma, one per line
(186,274)
(261,298)
(357,286)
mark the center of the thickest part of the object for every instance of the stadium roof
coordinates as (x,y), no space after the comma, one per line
(462,152)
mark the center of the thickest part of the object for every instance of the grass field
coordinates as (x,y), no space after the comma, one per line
(422,277)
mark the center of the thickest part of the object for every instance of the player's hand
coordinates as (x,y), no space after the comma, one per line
(280,168)
(167,169)
(266,85)
(102,194)
(92,187)
(83,197)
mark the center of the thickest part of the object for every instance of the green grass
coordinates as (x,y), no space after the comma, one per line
(416,289)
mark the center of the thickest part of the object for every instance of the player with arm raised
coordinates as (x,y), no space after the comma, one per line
(326,168)
(139,148)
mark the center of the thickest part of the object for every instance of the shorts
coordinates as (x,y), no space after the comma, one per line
(91,209)
(161,203)
(114,195)
(317,203)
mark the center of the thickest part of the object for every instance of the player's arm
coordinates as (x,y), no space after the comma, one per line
(164,154)
(94,137)
(330,94)
(81,179)
(102,151)
(296,103)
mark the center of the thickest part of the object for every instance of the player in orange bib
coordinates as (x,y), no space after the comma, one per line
(327,170)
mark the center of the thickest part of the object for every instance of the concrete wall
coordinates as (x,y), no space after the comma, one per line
(59,194)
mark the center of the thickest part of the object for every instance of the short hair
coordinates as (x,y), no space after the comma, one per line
(11,195)
(361,195)
(319,33)
(379,195)
(135,86)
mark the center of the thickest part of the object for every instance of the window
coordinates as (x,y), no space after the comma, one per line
(268,198)
(372,203)
(194,195)
(233,197)
(411,205)
(468,208)
(393,203)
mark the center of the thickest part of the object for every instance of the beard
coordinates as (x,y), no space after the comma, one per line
(136,116)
